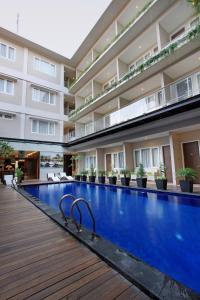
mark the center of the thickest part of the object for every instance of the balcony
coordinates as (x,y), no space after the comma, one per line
(183,42)
(176,92)
(141,21)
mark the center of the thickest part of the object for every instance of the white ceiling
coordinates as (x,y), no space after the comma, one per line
(131,11)
(142,89)
(108,107)
(177,16)
(184,66)
(86,90)
(107,73)
(106,38)
(142,44)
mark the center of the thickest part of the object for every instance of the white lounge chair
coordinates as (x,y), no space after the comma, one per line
(52,177)
(63,176)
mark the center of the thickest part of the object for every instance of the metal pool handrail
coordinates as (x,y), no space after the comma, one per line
(78,226)
(61,209)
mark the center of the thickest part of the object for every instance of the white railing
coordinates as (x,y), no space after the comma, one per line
(176,92)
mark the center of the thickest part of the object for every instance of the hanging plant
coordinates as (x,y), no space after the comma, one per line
(195,4)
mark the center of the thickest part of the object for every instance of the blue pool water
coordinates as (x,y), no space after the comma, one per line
(161,229)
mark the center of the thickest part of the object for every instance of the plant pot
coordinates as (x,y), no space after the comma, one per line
(92,178)
(112,180)
(101,179)
(77,177)
(186,186)
(83,178)
(141,182)
(161,184)
(125,181)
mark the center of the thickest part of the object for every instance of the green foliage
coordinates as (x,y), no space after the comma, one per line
(187,173)
(5,149)
(101,173)
(92,171)
(162,172)
(194,33)
(145,7)
(112,173)
(125,173)
(19,173)
(195,4)
(84,172)
(140,171)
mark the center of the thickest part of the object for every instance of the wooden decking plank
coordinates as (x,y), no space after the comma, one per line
(40,260)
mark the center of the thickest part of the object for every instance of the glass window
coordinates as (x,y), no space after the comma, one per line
(43,127)
(52,98)
(34,125)
(121,160)
(44,66)
(198,79)
(1,85)
(51,128)
(155,157)
(11,53)
(9,87)
(184,88)
(3,50)
(137,158)
(145,155)
(178,33)
(115,165)
(151,101)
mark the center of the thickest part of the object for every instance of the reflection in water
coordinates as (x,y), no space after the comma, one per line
(160,228)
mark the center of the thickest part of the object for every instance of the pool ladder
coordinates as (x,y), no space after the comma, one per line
(74,204)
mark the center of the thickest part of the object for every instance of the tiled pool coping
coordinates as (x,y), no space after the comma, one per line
(150,280)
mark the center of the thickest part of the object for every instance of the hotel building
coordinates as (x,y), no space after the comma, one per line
(135,98)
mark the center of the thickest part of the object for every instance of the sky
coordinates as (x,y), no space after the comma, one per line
(60,25)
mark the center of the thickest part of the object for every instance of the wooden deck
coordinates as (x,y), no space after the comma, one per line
(38,259)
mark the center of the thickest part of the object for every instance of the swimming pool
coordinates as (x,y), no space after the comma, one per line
(162,229)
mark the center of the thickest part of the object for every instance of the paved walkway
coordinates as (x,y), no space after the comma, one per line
(40,260)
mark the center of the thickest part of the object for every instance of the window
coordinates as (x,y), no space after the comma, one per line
(177,33)
(6,86)
(7,52)
(118,160)
(109,83)
(155,157)
(44,66)
(198,80)
(90,161)
(149,157)
(137,158)
(43,127)
(43,96)
(184,88)
(145,157)
(121,160)
(151,102)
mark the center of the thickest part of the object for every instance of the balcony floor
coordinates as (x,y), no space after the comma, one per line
(40,260)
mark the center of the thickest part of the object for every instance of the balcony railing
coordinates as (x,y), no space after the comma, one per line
(169,49)
(176,92)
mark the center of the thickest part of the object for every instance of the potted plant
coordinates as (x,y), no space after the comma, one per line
(161,179)
(84,175)
(19,174)
(92,175)
(112,177)
(101,177)
(189,175)
(125,176)
(77,177)
(141,178)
